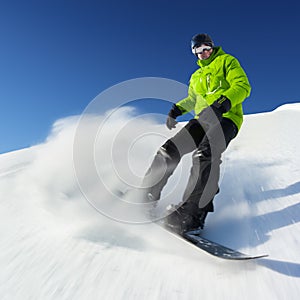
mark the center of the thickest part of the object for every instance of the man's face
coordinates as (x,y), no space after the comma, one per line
(203,51)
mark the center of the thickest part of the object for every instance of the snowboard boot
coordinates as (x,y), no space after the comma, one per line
(185,218)
(202,217)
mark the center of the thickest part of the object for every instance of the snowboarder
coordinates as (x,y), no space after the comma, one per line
(216,92)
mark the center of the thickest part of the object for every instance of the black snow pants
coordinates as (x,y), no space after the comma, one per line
(207,146)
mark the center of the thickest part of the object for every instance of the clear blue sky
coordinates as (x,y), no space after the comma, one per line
(57,55)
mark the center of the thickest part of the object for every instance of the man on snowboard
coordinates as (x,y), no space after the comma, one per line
(216,92)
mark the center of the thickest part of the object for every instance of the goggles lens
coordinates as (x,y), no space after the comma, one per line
(200,49)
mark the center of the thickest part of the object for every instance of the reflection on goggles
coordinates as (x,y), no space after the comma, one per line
(199,50)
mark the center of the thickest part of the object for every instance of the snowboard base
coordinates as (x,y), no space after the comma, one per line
(194,238)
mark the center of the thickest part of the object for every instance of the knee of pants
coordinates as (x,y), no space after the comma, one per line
(163,153)
(202,154)
(207,153)
(169,151)
(163,158)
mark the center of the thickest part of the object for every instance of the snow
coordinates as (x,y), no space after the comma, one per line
(54,244)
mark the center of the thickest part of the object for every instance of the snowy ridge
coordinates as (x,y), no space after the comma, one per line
(289,106)
(55,245)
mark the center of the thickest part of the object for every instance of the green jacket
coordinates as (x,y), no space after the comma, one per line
(220,74)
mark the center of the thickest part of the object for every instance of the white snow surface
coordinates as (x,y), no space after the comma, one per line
(55,245)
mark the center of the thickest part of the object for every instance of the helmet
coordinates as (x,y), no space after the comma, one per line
(201,38)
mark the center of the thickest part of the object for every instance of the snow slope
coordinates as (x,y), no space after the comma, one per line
(55,245)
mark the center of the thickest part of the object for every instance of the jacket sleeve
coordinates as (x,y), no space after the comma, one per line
(240,87)
(187,104)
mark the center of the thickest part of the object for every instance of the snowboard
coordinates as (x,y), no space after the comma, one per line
(195,239)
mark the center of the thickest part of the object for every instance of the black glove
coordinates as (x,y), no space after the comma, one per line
(213,114)
(172,115)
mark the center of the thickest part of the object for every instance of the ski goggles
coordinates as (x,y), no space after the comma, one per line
(200,49)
